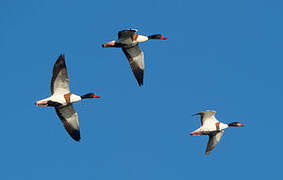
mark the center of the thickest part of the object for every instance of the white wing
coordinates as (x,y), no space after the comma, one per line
(213,140)
(207,117)
(70,120)
(136,59)
(60,79)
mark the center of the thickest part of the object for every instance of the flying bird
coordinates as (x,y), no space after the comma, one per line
(129,41)
(213,128)
(61,99)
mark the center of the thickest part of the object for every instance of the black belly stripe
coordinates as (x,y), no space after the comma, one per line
(53,103)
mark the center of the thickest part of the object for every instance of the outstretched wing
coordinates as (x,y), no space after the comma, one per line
(136,59)
(213,140)
(206,116)
(70,120)
(60,78)
(126,33)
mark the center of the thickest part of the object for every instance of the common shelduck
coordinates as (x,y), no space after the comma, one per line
(128,40)
(213,128)
(61,99)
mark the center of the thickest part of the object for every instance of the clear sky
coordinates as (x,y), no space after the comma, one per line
(221,55)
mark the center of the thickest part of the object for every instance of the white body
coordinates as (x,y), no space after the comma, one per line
(61,99)
(212,127)
(140,38)
(209,124)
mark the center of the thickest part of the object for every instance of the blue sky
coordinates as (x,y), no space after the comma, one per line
(220,55)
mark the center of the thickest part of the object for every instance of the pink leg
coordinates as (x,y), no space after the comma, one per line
(42,104)
(109,44)
(195,133)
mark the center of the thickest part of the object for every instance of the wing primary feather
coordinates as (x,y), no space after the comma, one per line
(60,78)
(136,60)
(69,118)
(213,140)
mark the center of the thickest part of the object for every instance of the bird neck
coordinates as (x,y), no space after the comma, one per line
(157,36)
(87,96)
(235,124)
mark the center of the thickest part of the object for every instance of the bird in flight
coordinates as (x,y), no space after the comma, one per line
(128,40)
(213,128)
(62,99)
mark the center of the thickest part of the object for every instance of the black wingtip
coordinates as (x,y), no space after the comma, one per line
(196,114)
(138,73)
(62,56)
(140,84)
(76,136)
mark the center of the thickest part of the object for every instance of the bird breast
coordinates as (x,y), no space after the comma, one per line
(141,38)
(75,98)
